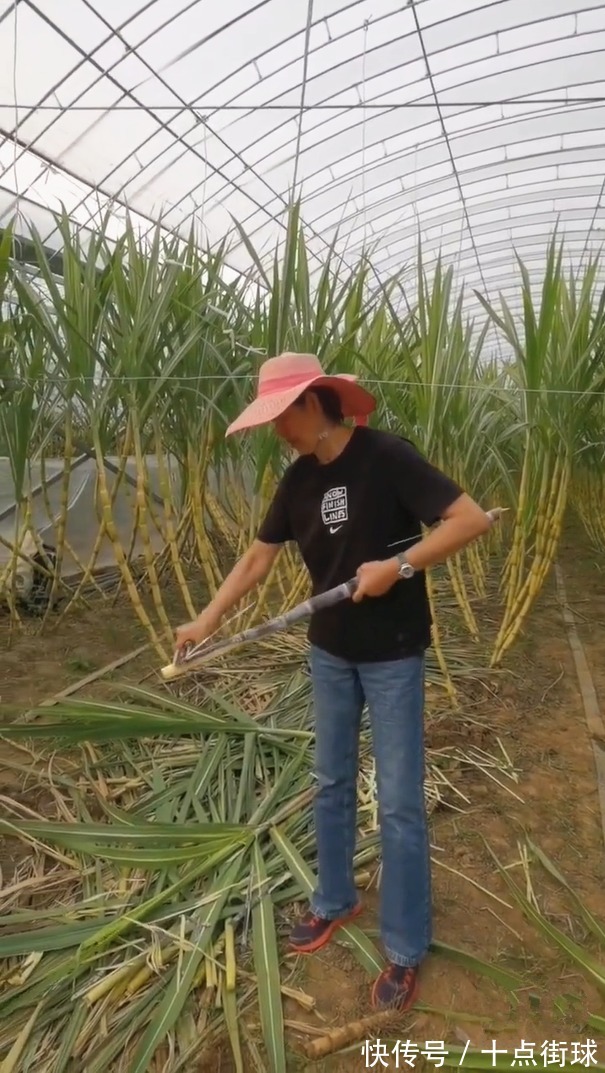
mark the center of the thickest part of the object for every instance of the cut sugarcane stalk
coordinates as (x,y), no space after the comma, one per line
(192,659)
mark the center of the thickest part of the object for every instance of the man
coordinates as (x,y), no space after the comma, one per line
(354,501)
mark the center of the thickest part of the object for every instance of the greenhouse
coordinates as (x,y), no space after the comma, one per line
(195,199)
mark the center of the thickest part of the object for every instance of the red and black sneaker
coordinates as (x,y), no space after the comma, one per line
(396,988)
(313,932)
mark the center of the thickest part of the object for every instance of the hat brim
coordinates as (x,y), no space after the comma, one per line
(355,401)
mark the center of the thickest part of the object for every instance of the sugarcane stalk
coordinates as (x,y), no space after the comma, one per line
(23,526)
(536,576)
(132,540)
(62,519)
(230,960)
(171,535)
(142,482)
(457,580)
(266,492)
(184,533)
(513,573)
(363,1029)
(207,556)
(437,646)
(589,503)
(62,545)
(112,981)
(476,569)
(88,575)
(19,555)
(146,971)
(548,497)
(125,570)
(221,523)
(7,577)
(513,564)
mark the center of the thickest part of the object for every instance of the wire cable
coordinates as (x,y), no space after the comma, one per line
(511,389)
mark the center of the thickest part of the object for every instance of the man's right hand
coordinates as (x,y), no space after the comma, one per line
(198,631)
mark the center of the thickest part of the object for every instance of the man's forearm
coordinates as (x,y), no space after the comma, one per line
(446,540)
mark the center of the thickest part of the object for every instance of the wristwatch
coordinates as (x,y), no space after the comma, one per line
(406,570)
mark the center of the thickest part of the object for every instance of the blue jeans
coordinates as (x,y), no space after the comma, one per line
(394,693)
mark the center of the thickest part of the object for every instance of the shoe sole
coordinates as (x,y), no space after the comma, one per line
(316,944)
(398,1009)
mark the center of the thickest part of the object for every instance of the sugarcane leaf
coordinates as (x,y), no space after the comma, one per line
(139,1013)
(193,872)
(151,859)
(109,730)
(229,999)
(46,939)
(501,976)
(176,705)
(69,1037)
(594,925)
(177,991)
(462,1016)
(362,946)
(53,969)
(10,1064)
(266,963)
(284,784)
(150,834)
(594,969)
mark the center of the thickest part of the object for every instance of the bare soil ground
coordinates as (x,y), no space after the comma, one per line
(536,709)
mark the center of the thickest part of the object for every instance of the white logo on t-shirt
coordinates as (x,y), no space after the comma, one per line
(335,509)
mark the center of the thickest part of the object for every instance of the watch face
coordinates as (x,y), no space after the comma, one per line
(405,570)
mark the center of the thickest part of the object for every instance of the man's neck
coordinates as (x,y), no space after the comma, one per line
(333,444)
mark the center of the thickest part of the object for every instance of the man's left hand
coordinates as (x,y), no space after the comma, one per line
(374,579)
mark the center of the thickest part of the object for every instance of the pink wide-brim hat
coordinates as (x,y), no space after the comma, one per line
(282,379)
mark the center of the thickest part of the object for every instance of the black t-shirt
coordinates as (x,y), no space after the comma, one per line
(367,504)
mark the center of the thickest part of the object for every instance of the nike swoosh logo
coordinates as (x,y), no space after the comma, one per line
(335,528)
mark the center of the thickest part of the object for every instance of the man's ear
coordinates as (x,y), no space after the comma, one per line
(313,404)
